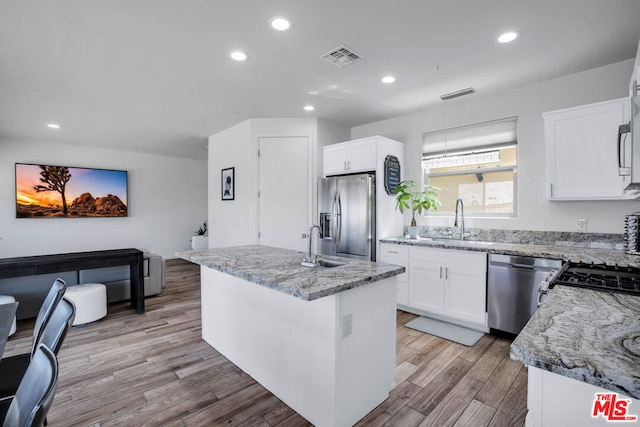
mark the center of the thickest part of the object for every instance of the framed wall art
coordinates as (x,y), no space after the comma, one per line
(45,191)
(228,190)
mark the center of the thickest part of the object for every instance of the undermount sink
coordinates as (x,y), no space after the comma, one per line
(329,263)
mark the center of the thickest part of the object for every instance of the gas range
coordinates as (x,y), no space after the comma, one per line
(600,277)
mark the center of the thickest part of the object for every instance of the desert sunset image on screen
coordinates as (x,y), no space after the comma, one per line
(59,191)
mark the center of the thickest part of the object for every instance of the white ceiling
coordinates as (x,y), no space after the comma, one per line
(154,75)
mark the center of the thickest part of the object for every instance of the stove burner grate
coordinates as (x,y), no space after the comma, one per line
(613,278)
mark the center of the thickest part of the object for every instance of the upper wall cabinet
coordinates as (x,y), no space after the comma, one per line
(350,157)
(582,151)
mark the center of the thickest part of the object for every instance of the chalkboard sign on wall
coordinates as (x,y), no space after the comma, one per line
(391,174)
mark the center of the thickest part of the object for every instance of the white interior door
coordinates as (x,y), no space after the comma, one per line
(285,193)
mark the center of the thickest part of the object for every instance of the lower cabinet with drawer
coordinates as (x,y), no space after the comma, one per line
(444,283)
(398,255)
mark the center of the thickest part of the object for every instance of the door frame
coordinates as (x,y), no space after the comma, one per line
(311,173)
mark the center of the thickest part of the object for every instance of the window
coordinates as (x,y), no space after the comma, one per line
(477,163)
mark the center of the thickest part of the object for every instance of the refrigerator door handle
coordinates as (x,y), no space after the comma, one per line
(339,222)
(334,218)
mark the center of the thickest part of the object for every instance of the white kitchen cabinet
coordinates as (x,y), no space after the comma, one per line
(427,287)
(350,157)
(556,400)
(466,290)
(581,151)
(449,283)
(398,255)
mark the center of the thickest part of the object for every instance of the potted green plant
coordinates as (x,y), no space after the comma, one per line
(410,195)
(199,240)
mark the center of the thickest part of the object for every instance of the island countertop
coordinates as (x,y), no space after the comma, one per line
(280,269)
(591,336)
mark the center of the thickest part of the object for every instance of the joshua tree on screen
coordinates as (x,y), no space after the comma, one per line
(55,178)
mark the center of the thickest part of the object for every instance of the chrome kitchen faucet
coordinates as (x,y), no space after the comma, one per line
(455,222)
(311,260)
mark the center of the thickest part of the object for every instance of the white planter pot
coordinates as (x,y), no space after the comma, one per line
(200,242)
(414,231)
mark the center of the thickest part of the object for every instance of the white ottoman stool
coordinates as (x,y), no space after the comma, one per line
(90,300)
(7,299)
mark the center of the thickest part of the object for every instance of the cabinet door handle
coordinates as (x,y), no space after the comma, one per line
(446,273)
(393,252)
(622,129)
(441,272)
(345,165)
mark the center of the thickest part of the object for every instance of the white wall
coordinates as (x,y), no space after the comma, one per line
(528,103)
(232,222)
(167,202)
(235,222)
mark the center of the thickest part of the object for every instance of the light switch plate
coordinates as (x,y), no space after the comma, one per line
(346,325)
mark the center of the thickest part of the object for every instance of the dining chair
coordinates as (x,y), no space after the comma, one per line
(29,406)
(55,294)
(12,369)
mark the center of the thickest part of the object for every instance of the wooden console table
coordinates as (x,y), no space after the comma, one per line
(45,264)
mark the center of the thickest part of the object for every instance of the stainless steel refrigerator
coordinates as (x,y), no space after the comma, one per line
(347,206)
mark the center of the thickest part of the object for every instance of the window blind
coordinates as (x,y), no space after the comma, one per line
(466,138)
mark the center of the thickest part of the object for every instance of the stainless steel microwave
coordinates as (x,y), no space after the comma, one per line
(629,145)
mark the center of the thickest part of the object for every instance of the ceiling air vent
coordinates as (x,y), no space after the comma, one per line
(458,93)
(342,56)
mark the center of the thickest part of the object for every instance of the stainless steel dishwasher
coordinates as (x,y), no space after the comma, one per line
(512,289)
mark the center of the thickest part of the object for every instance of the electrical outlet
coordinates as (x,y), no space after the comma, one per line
(582,224)
(346,325)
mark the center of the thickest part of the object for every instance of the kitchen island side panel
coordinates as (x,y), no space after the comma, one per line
(296,348)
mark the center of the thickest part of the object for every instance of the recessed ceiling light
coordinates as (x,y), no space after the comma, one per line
(279,23)
(388,79)
(53,125)
(238,55)
(507,37)
(309,108)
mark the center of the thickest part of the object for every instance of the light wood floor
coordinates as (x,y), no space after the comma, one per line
(155,370)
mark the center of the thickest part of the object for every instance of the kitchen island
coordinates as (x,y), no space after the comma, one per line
(320,339)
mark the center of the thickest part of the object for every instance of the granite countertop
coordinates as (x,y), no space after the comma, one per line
(280,269)
(556,251)
(591,336)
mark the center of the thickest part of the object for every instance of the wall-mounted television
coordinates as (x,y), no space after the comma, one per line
(45,191)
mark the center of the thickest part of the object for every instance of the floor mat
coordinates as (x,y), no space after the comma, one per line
(446,330)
